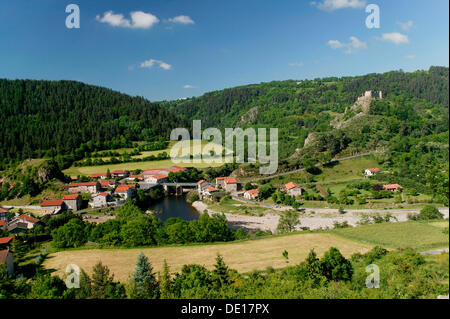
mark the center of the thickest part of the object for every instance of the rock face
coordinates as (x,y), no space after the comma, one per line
(361,108)
(250,116)
(48,171)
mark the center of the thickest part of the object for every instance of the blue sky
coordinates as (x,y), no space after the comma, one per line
(169,49)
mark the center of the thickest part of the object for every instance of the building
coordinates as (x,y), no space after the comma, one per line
(3,225)
(293,189)
(101,200)
(88,187)
(133,177)
(108,184)
(371,171)
(201,185)
(4,213)
(28,220)
(73,202)
(231,184)
(157,179)
(5,242)
(52,206)
(125,191)
(99,175)
(393,187)
(251,194)
(220,181)
(16,227)
(6,258)
(120,174)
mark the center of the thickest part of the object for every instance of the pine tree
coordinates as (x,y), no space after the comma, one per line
(108,174)
(145,285)
(100,282)
(165,283)
(220,273)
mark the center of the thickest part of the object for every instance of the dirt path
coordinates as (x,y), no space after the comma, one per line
(313,218)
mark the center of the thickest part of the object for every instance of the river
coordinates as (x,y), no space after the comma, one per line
(174,207)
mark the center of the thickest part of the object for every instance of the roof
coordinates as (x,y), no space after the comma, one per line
(107,182)
(292,185)
(98,175)
(74,196)
(2,222)
(3,255)
(28,219)
(3,210)
(230,180)
(373,170)
(212,189)
(253,192)
(221,178)
(103,194)
(119,171)
(159,176)
(52,202)
(123,188)
(391,186)
(5,240)
(82,184)
(201,181)
(151,171)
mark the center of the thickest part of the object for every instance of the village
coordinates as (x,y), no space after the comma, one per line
(112,189)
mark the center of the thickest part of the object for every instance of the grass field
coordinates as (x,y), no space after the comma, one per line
(407,234)
(89,170)
(242,256)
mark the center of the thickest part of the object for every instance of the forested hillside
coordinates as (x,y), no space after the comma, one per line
(414,104)
(47,118)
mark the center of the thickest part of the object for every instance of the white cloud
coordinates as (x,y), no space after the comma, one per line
(395,37)
(351,47)
(150,63)
(405,25)
(335,44)
(331,5)
(297,64)
(410,57)
(188,86)
(182,20)
(139,20)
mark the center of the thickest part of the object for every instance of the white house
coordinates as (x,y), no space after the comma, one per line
(371,171)
(157,179)
(293,189)
(251,194)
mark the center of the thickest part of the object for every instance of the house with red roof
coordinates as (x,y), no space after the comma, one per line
(87,187)
(106,184)
(393,187)
(293,189)
(5,242)
(53,206)
(73,201)
(125,191)
(28,220)
(251,194)
(101,200)
(3,225)
(371,171)
(231,184)
(157,179)
(99,175)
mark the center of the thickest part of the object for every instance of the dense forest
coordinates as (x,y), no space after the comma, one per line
(47,118)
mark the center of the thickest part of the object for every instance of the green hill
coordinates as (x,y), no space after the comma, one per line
(48,118)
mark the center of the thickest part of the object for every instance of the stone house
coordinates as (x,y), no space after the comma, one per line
(251,194)
(73,202)
(101,200)
(87,187)
(293,189)
(52,206)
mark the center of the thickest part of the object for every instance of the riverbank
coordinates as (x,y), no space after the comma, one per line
(312,218)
